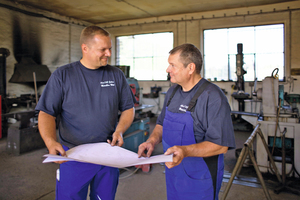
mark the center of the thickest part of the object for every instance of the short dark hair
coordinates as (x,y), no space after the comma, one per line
(89,32)
(189,54)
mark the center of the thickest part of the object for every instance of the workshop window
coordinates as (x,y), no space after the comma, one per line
(263,51)
(146,54)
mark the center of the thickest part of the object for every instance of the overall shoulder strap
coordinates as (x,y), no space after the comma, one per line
(172,95)
(193,102)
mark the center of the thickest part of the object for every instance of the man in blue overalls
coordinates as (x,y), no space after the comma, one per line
(195,126)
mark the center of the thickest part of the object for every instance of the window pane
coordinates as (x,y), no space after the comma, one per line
(269,39)
(249,67)
(144,69)
(215,41)
(217,67)
(146,54)
(232,67)
(215,56)
(163,44)
(160,65)
(125,44)
(143,45)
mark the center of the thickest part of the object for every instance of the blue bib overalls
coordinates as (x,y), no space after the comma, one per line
(195,178)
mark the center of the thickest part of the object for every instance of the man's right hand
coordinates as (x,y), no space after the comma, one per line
(146,146)
(47,129)
(56,148)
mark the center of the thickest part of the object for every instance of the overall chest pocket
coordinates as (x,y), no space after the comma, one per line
(172,132)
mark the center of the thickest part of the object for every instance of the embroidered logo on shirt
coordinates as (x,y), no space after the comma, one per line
(183,108)
(107,83)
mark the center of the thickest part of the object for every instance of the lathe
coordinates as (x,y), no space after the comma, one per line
(279,116)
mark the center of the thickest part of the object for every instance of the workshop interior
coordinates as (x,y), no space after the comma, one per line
(260,80)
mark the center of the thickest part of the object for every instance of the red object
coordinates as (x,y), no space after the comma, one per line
(145,168)
(133,89)
(0,116)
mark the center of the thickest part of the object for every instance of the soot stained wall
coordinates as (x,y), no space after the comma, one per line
(48,42)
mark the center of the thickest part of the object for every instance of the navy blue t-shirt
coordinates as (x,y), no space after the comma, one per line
(87,101)
(212,114)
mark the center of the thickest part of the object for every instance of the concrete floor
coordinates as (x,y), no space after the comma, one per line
(25,177)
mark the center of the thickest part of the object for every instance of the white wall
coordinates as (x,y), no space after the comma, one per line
(189,28)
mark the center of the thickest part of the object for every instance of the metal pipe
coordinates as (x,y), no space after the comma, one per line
(277,119)
(245,113)
(270,156)
(234,172)
(283,157)
(241,165)
(253,134)
(284,186)
(262,182)
(202,18)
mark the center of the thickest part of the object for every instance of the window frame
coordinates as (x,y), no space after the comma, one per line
(231,76)
(143,33)
(253,20)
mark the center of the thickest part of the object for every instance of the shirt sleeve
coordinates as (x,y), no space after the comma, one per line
(214,124)
(51,99)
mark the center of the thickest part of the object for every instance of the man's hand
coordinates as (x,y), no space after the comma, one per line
(153,140)
(47,128)
(56,148)
(146,146)
(117,139)
(179,152)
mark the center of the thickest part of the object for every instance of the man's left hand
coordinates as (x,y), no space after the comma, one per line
(117,139)
(178,152)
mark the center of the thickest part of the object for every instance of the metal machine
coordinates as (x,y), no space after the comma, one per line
(240,95)
(279,119)
(238,122)
(23,135)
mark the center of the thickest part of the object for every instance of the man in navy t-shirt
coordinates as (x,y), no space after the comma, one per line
(87,96)
(195,126)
